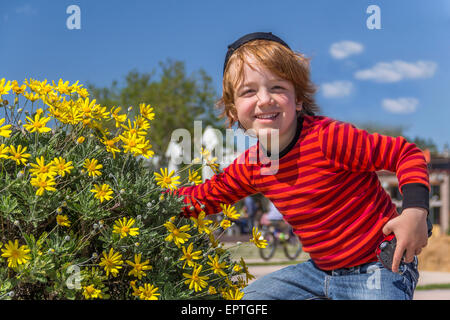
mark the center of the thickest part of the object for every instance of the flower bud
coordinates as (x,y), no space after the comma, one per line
(66,238)
(16,223)
(80,140)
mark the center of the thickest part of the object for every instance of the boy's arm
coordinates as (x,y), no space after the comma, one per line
(356,150)
(227,187)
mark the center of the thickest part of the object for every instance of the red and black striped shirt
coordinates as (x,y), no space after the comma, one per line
(326,187)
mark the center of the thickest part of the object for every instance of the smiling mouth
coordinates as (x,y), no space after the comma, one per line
(267,116)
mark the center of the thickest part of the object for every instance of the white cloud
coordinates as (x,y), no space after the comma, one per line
(343,49)
(337,89)
(400,105)
(397,70)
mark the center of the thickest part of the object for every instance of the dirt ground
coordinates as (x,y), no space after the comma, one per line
(436,255)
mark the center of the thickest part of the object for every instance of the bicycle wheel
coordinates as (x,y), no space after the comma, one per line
(268,252)
(292,247)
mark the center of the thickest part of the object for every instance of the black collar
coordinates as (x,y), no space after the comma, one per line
(286,150)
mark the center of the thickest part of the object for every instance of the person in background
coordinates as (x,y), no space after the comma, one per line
(250,206)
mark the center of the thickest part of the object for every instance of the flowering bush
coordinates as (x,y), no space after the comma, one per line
(83,216)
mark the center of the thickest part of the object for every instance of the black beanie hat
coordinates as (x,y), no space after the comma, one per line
(250,37)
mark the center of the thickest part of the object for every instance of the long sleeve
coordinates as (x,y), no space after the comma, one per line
(227,187)
(356,150)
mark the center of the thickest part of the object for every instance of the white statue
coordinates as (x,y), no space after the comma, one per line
(210,140)
(175,154)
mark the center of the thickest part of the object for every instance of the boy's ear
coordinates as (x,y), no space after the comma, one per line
(233,114)
(299,105)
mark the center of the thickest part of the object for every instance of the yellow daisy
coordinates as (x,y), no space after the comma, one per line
(4,151)
(38,124)
(166,180)
(189,256)
(148,292)
(201,224)
(132,142)
(62,220)
(19,154)
(61,166)
(5,86)
(43,182)
(4,130)
(230,211)
(194,177)
(102,192)
(93,167)
(178,236)
(257,239)
(146,111)
(111,262)
(16,255)
(90,292)
(196,281)
(233,294)
(217,266)
(110,145)
(119,118)
(138,266)
(124,227)
(40,167)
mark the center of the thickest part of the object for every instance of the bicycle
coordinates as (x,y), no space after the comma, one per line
(292,246)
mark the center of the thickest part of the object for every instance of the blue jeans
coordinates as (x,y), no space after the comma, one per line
(304,281)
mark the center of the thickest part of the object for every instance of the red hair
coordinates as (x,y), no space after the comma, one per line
(276,58)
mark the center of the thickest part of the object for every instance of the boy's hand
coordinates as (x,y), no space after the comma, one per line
(410,229)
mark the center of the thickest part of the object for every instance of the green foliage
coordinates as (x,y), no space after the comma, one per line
(67,231)
(178,99)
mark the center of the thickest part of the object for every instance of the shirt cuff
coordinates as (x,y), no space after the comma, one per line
(416,195)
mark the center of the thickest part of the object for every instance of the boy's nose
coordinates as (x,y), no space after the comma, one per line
(264,98)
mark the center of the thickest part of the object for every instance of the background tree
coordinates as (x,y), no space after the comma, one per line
(395,131)
(178,100)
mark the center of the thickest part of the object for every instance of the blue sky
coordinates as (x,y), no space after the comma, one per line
(396,75)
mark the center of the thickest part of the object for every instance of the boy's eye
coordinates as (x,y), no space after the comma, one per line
(247,91)
(277,87)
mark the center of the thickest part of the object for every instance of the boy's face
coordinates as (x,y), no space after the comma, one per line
(261,94)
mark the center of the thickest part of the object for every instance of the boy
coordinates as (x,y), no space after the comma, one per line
(325,184)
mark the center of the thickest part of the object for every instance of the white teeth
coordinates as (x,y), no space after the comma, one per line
(267,116)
